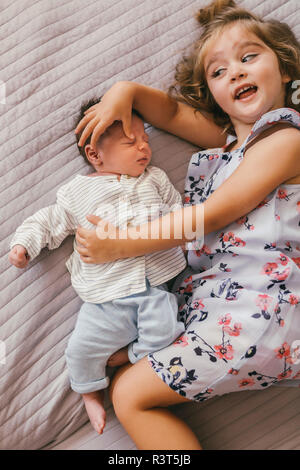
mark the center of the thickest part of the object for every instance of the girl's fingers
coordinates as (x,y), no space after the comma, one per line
(82,250)
(98,130)
(86,259)
(83,122)
(92,108)
(80,240)
(87,132)
(127,127)
(93,219)
(81,236)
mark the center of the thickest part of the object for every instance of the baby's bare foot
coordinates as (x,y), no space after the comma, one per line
(118,358)
(94,406)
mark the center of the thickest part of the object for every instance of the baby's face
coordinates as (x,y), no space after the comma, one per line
(122,155)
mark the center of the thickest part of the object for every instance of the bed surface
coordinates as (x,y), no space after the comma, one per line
(54,56)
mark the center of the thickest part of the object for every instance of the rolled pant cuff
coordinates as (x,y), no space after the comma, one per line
(90,386)
(131,356)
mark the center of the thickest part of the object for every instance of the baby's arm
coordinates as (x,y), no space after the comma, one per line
(47,227)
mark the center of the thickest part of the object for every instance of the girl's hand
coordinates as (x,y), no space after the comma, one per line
(96,247)
(18,256)
(115,105)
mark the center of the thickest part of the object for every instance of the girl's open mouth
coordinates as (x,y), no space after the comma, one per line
(245,92)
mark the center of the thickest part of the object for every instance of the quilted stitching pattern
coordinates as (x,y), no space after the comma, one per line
(54,55)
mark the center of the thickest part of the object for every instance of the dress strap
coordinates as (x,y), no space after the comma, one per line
(287,115)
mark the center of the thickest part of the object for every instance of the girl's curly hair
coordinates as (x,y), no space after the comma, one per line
(190,83)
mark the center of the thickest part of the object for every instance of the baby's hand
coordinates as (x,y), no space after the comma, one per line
(18,256)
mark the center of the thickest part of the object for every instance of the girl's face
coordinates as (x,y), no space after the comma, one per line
(243,76)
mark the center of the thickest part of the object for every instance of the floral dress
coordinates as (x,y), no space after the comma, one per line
(240,296)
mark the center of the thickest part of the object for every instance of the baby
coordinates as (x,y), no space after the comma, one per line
(127,310)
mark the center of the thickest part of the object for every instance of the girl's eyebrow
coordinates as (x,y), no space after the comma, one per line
(239,46)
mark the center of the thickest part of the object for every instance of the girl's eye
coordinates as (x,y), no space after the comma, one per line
(247,57)
(217,73)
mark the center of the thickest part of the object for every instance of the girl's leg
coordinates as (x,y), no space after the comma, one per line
(139,397)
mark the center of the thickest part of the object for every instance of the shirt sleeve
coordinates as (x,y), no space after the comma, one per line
(46,228)
(170,196)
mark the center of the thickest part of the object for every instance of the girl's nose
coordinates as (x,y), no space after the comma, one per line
(237,74)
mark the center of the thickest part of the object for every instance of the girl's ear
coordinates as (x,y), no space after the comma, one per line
(286,78)
(93,156)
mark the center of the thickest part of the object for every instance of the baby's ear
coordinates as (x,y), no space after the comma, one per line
(93,156)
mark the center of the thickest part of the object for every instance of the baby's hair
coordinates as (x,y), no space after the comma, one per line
(84,107)
(190,83)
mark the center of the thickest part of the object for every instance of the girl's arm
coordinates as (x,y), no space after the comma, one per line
(156,107)
(270,162)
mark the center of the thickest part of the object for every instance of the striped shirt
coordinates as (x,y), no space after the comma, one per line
(128,201)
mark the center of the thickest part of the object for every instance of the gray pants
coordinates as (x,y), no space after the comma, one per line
(147,321)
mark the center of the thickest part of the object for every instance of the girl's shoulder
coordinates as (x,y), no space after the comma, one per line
(268,120)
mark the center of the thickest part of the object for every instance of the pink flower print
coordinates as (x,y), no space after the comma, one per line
(297,376)
(197,304)
(285,374)
(294,299)
(277,217)
(281,194)
(246,382)
(239,242)
(282,276)
(269,268)
(283,351)
(205,249)
(232,240)
(213,157)
(262,204)
(233,371)
(241,220)
(235,331)
(297,261)
(283,259)
(225,320)
(228,237)
(288,246)
(181,341)
(224,352)
(263,301)
(189,288)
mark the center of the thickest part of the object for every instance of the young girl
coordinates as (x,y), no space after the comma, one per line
(240,299)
